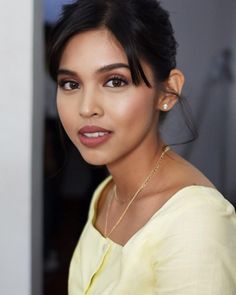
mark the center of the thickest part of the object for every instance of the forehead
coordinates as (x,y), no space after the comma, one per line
(94,48)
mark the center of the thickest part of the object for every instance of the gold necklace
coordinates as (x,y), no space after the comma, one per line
(144,184)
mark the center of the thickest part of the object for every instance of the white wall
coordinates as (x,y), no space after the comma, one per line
(20,148)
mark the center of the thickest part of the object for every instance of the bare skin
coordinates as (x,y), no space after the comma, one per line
(94,92)
(175,174)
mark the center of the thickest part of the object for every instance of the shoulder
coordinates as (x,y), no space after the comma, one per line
(180,173)
(203,200)
(192,197)
(196,249)
(200,213)
(204,197)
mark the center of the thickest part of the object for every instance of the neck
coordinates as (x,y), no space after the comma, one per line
(129,173)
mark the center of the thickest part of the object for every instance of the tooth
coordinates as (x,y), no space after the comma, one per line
(102,133)
(95,134)
(91,135)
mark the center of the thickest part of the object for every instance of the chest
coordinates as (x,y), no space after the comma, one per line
(100,266)
(120,224)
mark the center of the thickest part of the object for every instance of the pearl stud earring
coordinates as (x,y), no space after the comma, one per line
(165,107)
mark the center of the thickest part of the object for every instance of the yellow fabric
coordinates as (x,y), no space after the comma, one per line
(188,247)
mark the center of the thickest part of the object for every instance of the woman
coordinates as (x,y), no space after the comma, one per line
(157,225)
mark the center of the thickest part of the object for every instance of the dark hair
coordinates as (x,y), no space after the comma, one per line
(142,27)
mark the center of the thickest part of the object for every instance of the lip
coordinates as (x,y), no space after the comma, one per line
(92,136)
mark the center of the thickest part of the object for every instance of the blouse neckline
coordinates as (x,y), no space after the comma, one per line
(163,207)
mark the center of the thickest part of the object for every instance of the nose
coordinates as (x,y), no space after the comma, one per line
(90,104)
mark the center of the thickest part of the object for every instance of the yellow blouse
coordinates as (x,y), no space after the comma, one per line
(188,247)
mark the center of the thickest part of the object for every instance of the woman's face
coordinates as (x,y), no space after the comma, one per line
(105,115)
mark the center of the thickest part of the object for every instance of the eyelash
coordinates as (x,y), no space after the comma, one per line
(62,84)
(76,85)
(119,79)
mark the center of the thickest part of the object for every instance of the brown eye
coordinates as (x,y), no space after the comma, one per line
(116,82)
(69,85)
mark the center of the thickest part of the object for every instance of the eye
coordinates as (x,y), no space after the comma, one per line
(68,85)
(116,82)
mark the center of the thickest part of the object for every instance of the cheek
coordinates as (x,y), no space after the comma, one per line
(136,107)
(66,114)
(61,111)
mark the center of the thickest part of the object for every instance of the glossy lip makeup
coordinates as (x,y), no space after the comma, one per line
(92,136)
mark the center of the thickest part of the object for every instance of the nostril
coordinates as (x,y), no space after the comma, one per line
(91,113)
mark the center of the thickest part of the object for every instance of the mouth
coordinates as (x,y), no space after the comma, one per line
(92,136)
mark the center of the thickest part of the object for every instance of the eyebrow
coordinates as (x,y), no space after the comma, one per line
(111,67)
(66,72)
(103,69)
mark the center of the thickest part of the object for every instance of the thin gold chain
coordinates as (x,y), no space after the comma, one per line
(144,184)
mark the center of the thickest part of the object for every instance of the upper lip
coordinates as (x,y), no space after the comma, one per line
(92,129)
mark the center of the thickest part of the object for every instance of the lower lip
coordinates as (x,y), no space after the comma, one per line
(93,141)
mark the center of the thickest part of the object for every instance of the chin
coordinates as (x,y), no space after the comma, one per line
(94,159)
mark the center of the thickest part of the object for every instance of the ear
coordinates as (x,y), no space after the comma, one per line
(173,85)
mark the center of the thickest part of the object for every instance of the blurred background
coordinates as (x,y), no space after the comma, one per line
(45,186)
